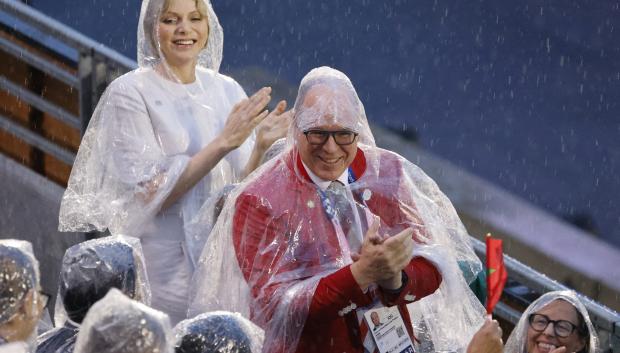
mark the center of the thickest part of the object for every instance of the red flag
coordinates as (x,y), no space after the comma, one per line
(496,272)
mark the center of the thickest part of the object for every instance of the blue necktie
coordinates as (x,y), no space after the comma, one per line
(343,206)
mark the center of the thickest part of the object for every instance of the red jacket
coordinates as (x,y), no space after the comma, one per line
(282,236)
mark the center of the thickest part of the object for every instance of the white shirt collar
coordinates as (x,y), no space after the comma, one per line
(323,184)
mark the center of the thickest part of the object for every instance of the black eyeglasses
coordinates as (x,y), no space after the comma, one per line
(561,328)
(341,137)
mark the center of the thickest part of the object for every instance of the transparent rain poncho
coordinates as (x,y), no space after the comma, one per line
(218,332)
(275,240)
(19,279)
(19,274)
(117,324)
(517,342)
(89,270)
(16,347)
(198,229)
(142,135)
(130,157)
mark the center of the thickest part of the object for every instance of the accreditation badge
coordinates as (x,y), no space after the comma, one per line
(388,330)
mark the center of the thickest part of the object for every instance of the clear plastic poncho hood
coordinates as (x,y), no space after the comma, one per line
(517,342)
(327,97)
(19,278)
(146,127)
(218,332)
(91,268)
(274,241)
(19,274)
(117,324)
(17,347)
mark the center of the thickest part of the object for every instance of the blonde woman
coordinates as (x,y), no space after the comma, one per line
(163,138)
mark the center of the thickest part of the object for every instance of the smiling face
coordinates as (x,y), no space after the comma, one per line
(182,31)
(329,160)
(546,341)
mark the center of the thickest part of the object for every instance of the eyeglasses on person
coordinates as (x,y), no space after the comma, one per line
(341,137)
(561,328)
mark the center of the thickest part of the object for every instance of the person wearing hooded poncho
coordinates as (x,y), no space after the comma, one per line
(333,227)
(162,139)
(21,302)
(89,270)
(218,332)
(117,324)
(557,322)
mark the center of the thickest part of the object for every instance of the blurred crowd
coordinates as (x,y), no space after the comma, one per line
(103,298)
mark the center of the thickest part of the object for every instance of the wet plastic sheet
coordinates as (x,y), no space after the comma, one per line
(218,332)
(117,324)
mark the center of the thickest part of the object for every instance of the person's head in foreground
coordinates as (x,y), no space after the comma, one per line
(21,303)
(117,324)
(90,269)
(557,322)
(218,332)
(329,123)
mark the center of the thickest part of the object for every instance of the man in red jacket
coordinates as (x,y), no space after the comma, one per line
(332,228)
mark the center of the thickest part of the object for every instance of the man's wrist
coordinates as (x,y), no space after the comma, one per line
(398,286)
(358,274)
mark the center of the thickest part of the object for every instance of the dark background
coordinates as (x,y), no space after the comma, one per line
(524,94)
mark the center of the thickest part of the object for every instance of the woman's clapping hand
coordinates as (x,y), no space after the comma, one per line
(274,126)
(244,117)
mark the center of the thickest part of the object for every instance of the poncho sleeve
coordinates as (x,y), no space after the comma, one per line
(121,176)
